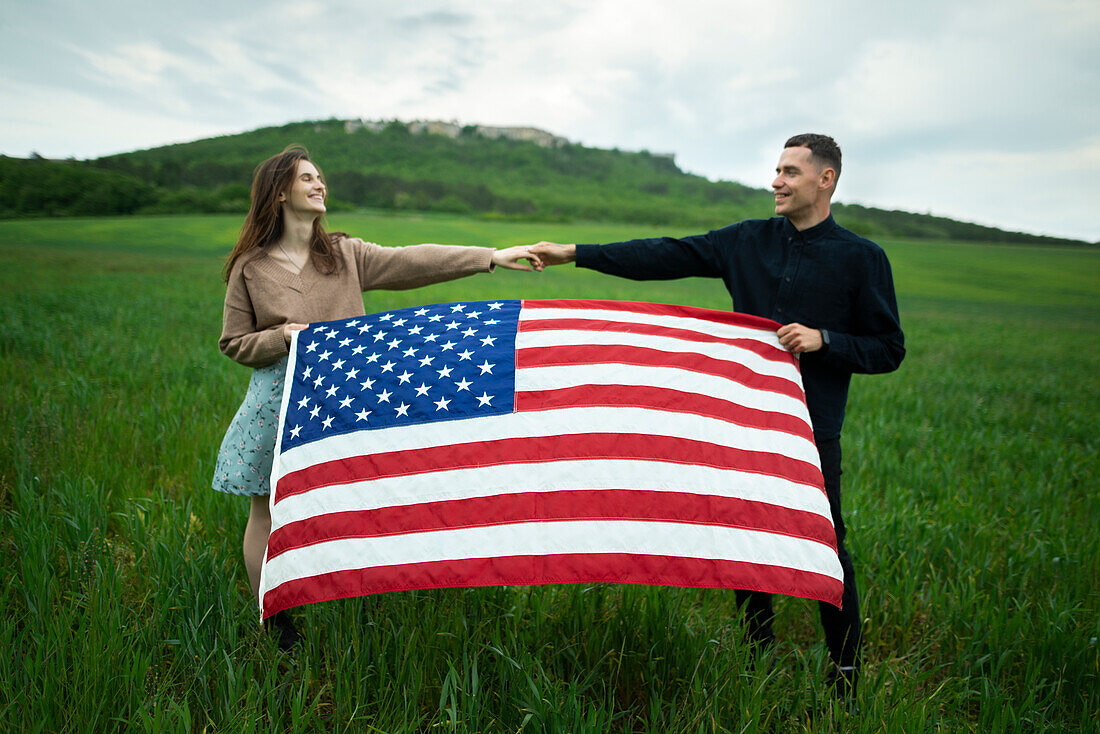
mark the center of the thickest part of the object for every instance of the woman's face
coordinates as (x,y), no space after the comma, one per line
(306,197)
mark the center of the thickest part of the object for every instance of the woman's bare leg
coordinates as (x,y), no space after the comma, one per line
(255,540)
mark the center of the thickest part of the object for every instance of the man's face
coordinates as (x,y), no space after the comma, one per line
(797,183)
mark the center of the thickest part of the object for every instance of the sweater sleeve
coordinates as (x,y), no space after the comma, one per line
(401,268)
(240,339)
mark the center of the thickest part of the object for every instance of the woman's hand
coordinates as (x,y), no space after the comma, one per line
(510,258)
(289,329)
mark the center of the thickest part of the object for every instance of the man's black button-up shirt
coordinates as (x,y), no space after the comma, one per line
(824,277)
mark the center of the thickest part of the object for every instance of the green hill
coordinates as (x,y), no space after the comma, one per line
(491,172)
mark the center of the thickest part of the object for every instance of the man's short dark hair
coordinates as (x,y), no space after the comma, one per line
(824,149)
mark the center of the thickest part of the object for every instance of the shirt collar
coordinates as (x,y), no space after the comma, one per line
(813,233)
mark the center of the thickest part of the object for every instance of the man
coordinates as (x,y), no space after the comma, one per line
(834,294)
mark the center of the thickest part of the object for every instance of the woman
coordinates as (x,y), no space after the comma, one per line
(284,273)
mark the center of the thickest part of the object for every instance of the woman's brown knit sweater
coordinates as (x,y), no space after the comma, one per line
(263,296)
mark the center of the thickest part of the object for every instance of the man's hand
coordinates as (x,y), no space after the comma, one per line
(797,338)
(554,254)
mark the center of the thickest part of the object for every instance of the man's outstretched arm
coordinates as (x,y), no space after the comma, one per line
(657,258)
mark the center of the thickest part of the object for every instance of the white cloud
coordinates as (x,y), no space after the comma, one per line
(935,104)
(133,64)
(1041,192)
(60,124)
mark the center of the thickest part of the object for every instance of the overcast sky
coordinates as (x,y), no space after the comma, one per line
(981,110)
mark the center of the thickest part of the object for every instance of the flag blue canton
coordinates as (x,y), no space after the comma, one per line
(415,365)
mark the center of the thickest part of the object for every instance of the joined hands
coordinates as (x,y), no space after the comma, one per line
(512,257)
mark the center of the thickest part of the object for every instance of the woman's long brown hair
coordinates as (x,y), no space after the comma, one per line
(264,223)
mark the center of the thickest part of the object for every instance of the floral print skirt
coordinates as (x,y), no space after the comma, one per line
(244,460)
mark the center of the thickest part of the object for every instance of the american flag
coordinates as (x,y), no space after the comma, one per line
(535,442)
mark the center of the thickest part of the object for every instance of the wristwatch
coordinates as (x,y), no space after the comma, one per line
(824,340)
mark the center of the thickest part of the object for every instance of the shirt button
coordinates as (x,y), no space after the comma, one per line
(787,279)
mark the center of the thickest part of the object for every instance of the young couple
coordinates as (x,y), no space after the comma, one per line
(831,290)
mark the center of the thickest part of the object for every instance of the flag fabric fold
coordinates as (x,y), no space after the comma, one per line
(537,442)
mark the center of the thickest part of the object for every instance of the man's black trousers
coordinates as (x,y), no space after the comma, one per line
(843,629)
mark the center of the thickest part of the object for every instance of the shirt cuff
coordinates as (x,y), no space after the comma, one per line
(582,253)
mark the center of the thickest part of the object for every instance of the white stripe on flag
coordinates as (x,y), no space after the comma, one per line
(487,481)
(560,422)
(544,538)
(724,352)
(669,378)
(702,326)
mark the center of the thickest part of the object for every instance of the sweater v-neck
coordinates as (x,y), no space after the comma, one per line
(283,276)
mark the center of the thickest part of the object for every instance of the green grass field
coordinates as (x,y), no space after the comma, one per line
(970,494)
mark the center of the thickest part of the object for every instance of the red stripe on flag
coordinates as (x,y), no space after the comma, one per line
(672,401)
(539,449)
(503,509)
(555,569)
(657,309)
(643,356)
(756,346)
